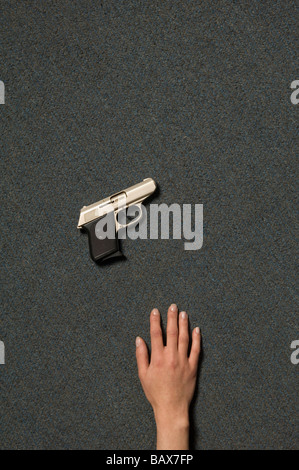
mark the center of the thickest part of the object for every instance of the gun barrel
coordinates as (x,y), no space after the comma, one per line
(130,196)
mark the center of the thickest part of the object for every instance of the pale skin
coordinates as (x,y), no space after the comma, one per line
(168,378)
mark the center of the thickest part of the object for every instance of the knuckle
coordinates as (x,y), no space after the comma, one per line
(184,339)
(158,362)
(195,355)
(155,332)
(173,362)
(171,314)
(172,332)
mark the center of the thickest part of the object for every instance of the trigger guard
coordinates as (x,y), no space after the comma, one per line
(133,222)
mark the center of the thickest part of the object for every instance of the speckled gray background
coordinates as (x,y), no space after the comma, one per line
(100,95)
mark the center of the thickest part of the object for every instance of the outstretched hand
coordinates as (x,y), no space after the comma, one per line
(168,378)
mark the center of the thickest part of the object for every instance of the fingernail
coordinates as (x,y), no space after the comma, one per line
(155,311)
(197,330)
(173,307)
(184,315)
(138,341)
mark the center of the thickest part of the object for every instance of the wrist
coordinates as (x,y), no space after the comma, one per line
(172,415)
(172,420)
(172,429)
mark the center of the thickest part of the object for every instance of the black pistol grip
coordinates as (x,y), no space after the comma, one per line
(101,250)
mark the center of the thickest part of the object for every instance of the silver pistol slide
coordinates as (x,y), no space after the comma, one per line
(102,248)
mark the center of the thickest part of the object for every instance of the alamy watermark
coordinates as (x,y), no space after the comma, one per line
(295,95)
(187,223)
(295,354)
(2,353)
(2,93)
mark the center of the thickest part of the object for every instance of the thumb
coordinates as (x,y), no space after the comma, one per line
(141,356)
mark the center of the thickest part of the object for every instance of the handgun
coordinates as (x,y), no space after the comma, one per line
(106,212)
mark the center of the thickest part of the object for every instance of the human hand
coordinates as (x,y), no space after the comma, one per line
(168,380)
